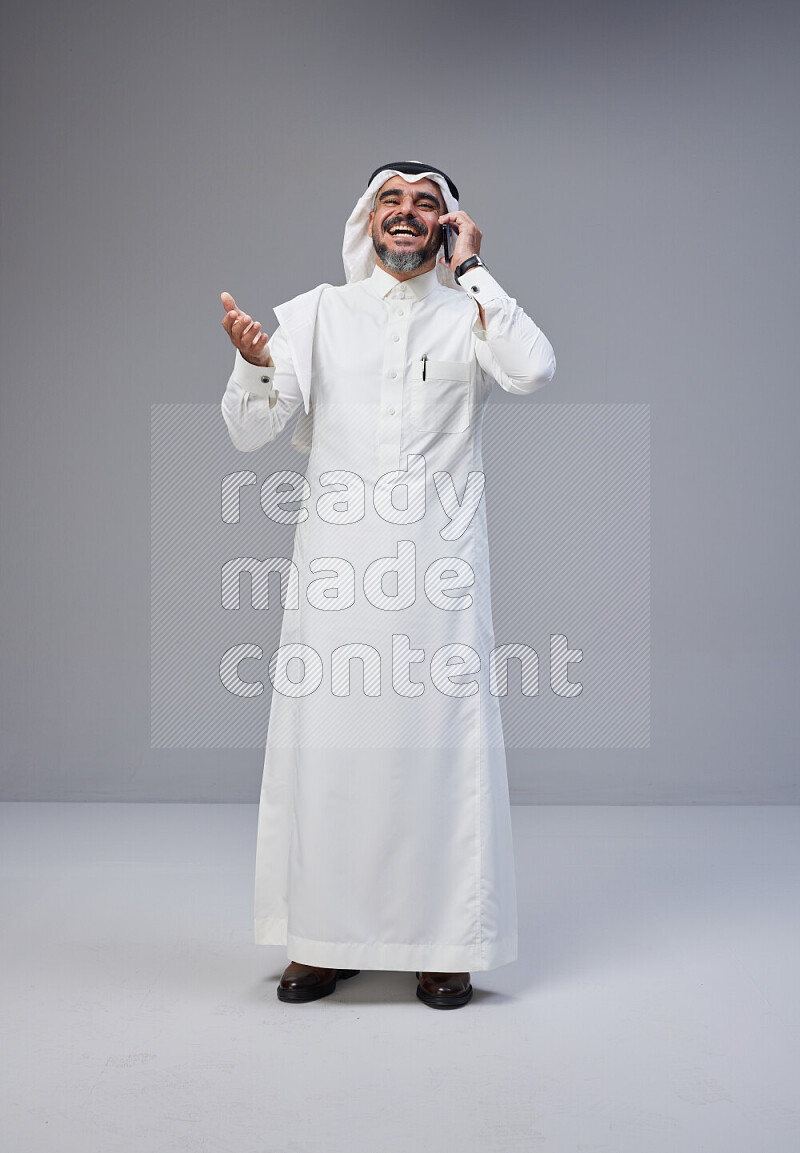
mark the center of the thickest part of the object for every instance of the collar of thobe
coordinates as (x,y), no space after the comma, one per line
(381,284)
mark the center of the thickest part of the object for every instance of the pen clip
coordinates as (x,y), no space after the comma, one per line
(424,363)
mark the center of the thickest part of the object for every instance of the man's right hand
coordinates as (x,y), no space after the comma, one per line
(245,333)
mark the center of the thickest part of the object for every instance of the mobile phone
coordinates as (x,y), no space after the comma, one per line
(449,235)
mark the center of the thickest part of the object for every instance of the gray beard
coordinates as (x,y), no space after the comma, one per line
(401,261)
(407,261)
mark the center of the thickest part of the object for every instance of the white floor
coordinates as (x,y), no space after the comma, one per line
(654,1005)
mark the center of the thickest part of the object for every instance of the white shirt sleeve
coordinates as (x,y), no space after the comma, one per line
(512,349)
(258,402)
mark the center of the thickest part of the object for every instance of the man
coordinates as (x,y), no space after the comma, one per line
(384,836)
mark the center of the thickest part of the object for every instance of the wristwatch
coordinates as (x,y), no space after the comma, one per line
(466,265)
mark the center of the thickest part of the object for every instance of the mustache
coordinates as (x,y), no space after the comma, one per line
(414,225)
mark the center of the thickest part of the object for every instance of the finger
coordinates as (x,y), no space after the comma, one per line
(255,336)
(251,334)
(236,333)
(248,337)
(241,324)
(228,303)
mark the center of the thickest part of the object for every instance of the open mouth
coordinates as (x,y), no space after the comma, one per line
(403,230)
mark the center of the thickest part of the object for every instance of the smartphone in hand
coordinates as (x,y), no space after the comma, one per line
(449,235)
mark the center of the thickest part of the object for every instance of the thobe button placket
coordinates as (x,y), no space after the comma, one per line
(394,356)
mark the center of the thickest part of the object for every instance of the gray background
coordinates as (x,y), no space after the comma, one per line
(634,170)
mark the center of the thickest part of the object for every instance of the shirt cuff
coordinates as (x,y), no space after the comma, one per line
(480,285)
(253,377)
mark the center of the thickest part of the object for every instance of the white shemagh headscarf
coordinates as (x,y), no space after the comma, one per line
(358,251)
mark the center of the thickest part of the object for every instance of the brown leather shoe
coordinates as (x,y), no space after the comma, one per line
(444,990)
(309,982)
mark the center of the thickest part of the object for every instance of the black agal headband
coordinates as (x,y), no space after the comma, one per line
(414,169)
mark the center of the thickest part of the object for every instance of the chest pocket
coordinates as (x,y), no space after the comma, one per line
(442,401)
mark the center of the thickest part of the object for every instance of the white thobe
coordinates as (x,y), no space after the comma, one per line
(384,830)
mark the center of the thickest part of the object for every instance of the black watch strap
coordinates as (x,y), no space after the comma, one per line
(466,265)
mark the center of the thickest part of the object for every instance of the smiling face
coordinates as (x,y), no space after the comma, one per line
(404,225)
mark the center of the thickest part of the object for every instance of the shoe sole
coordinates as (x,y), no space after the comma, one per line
(302,995)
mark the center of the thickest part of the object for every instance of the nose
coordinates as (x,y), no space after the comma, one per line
(407,205)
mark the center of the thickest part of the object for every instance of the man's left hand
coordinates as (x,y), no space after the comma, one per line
(468,241)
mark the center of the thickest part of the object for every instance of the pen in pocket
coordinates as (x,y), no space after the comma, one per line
(424,363)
